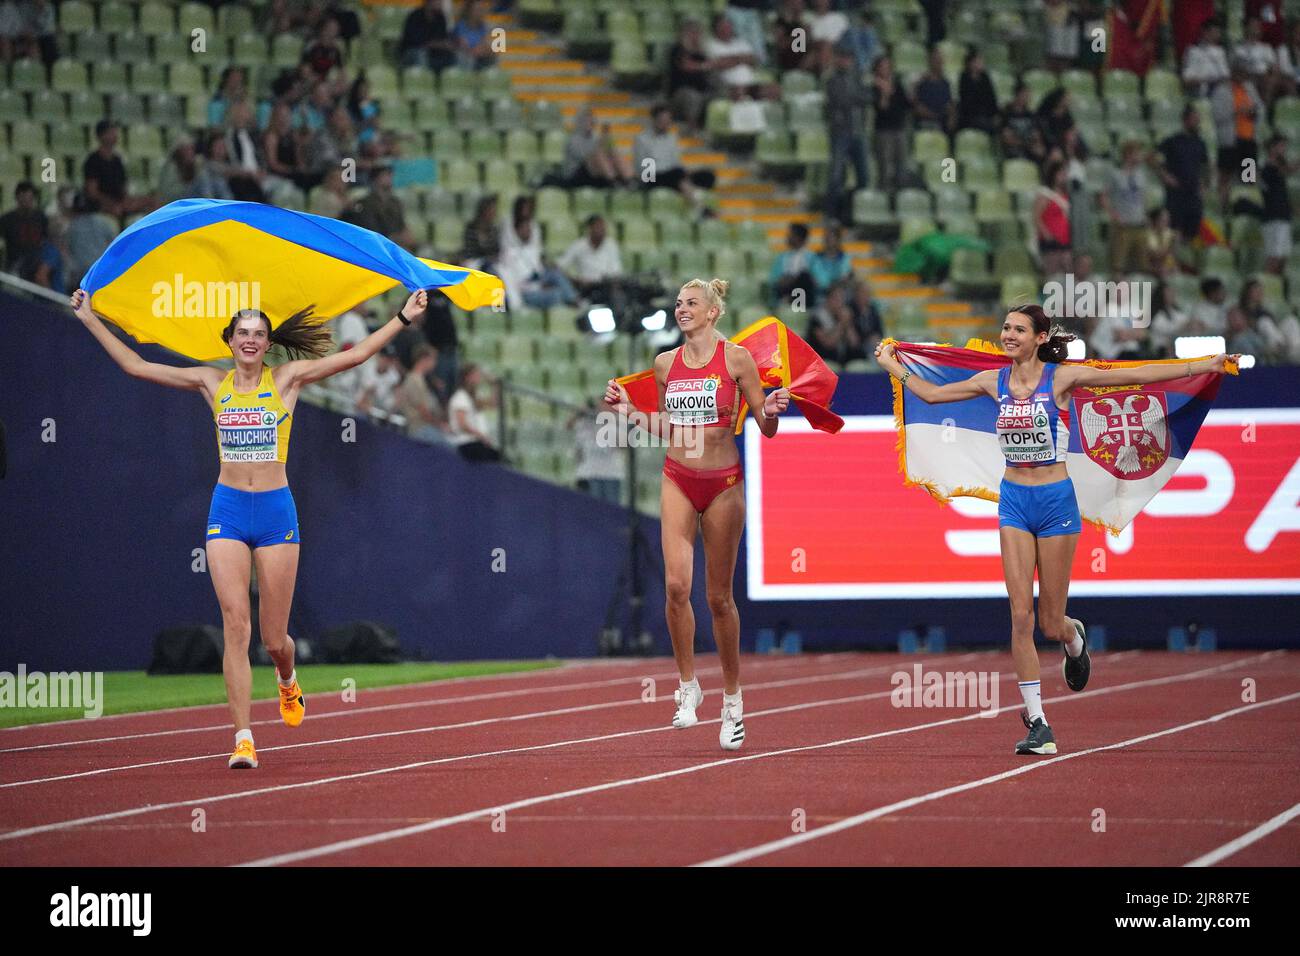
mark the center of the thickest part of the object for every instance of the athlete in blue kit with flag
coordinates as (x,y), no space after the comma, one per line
(1038,513)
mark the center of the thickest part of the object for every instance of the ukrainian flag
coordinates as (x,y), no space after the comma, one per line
(176,276)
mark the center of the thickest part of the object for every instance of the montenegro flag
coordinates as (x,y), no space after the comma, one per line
(784,361)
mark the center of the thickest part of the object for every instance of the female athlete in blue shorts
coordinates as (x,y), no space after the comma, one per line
(252,518)
(1038,516)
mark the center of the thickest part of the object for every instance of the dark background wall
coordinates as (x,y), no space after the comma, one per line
(98,530)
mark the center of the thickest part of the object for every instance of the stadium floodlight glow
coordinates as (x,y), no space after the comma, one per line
(601,319)
(1076,349)
(655,322)
(1246,361)
(1194,346)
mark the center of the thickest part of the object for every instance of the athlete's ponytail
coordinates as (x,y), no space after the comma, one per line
(1056,348)
(302,335)
(715,291)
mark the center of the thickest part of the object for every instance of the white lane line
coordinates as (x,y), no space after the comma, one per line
(373,709)
(1246,839)
(481,722)
(847,823)
(385,836)
(219,798)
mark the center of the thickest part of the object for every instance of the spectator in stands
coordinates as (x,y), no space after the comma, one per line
(936,17)
(847,99)
(377,383)
(482,241)
(1052,219)
(1209,315)
(26,233)
(832,265)
(689,76)
(426,419)
(1244,338)
(932,96)
(593,262)
(232,88)
(245,171)
(528,278)
(730,56)
(1236,108)
(1277,205)
(790,36)
(1288,60)
(1061,34)
(409,339)
(283,149)
(349,329)
(825,29)
(977,102)
(1055,118)
(364,109)
(185,175)
(1118,333)
(833,329)
(1021,137)
(87,237)
(600,466)
(381,211)
(426,41)
(791,280)
(1183,162)
(658,158)
(863,40)
(468,427)
(1124,200)
(1281,334)
(1259,59)
(1139,50)
(104,175)
(590,158)
(472,36)
(332,198)
(27,31)
(893,106)
(1169,321)
(866,316)
(324,54)
(1205,65)
(1160,244)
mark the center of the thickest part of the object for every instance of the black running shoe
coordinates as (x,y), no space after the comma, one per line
(1040,740)
(1076,669)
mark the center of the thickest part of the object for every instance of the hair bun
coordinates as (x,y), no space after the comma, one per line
(719,287)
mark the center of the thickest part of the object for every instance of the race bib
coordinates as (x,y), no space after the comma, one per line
(247,434)
(692,401)
(1025,432)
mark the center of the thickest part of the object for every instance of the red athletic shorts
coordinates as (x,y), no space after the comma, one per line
(701,486)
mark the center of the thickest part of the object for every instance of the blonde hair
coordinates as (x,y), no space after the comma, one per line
(715,291)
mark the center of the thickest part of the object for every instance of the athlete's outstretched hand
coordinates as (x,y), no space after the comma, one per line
(776,402)
(80,303)
(616,398)
(416,304)
(1219,361)
(888,360)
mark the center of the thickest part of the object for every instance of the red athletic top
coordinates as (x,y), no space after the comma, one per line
(701,396)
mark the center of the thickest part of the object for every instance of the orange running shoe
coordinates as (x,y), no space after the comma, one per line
(244,757)
(293,706)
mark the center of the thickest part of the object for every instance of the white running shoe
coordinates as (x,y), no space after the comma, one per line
(687,698)
(732,734)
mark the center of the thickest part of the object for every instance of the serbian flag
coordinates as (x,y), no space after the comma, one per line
(784,361)
(1124,443)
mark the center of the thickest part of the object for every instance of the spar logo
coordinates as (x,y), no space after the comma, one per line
(1127,435)
(246,418)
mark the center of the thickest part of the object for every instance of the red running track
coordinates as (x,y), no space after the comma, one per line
(1162,762)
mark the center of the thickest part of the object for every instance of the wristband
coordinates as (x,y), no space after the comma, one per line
(906,375)
(401,318)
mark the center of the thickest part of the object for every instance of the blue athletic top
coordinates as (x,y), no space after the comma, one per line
(1032,432)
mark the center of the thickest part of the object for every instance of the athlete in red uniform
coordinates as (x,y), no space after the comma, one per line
(703,487)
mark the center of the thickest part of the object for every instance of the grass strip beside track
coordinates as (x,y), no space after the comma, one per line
(128,692)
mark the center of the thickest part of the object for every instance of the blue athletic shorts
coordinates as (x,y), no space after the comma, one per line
(257,518)
(1042,510)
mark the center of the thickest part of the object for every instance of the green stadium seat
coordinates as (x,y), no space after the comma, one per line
(522,146)
(1012,259)
(92,46)
(127,108)
(624,204)
(483,144)
(972,143)
(49,106)
(286,51)
(166,110)
(459,175)
(676,233)
(664,204)
(1040,83)
(979,173)
(929,146)
(1163,85)
(1119,83)
(1217,261)
(76,16)
(970,273)
(1018,290)
(812,146)
(148,78)
(1020,175)
(913,228)
(185,78)
(492,83)
(115,17)
(588,201)
(27,137)
(638,235)
(193,16)
(913,202)
(132,48)
(501,175)
(234,19)
(159,19)
(249,49)
(552,202)
(13,106)
(27,76)
(470,113)
(457,82)
(910,58)
(1079,83)
(993,206)
(432,116)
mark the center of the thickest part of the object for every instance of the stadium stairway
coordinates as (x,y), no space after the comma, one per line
(541,69)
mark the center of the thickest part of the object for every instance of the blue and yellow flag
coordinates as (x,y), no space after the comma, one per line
(178,275)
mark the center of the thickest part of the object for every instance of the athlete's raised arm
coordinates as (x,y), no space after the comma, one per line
(744,370)
(293,375)
(198,378)
(618,401)
(1088,376)
(981,383)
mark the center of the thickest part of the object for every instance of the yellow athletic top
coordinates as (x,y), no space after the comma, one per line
(251,426)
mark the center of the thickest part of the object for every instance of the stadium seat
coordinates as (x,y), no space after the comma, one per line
(115,17)
(1119,83)
(928,146)
(913,202)
(1018,290)
(871,211)
(1020,175)
(234,19)
(1079,83)
(76,16)
(812,146)
(913,228)
(191,16)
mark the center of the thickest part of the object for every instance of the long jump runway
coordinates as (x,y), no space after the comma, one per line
(1166,759)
